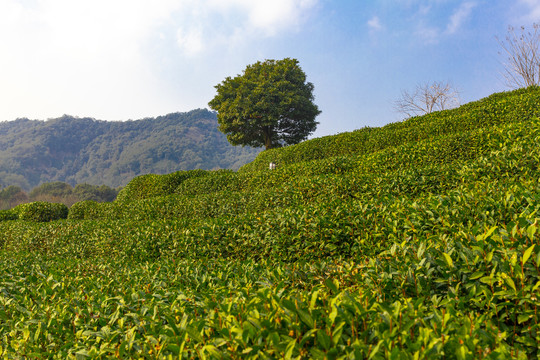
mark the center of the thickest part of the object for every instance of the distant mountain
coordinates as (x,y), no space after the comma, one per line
(84,150)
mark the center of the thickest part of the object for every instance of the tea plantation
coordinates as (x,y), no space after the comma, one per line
(417,240)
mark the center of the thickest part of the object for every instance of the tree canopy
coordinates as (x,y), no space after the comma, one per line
(57,192)
(269,105)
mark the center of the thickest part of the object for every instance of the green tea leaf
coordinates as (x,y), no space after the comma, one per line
(332,284)
(337,332)
(216,354)
(324,339)
(510,282)
(313,299)
(477,275)
(490,232)
(523,317)
(288,304)
(527,253)
(194,333)
(448,260)
(317,354)
(421,250)
(531,230)
(289,349)
(306,318)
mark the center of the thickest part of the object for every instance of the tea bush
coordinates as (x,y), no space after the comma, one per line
(416,240)
(406,169)
(497,109)
(150,185)
(215,181)
(88,209)
(10,214)
(41,211)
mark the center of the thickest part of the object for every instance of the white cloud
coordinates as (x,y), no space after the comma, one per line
(76,57)
(533,10)
(374,23)
(424,9)
(268,16)
(429,35)
(459,17)
(99,57)
(191,42)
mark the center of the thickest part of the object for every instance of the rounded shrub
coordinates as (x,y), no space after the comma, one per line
(137,187)
(87,209)
(41,211)
(152,185)
(6,215)
(213,181)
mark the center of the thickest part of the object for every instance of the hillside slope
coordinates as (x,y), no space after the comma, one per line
(417,240)
(84,150)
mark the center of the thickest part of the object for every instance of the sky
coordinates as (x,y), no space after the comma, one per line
(132,59)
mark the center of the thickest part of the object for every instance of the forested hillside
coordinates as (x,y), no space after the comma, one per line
(84,150)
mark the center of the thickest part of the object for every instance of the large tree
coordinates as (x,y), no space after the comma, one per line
(269,105)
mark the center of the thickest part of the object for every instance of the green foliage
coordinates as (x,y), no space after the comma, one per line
(86,209)
(152,185)
(41,211)
(8,215)
(221,180)
(424,247)
(12,196)
(496,109)
(269,105)
(101,193)
(59,192)
(55,189)
(11,192)
(84,150)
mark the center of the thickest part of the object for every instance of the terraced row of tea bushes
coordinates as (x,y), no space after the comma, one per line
(38,211)
(463,295)
(215,181)
(151,185)
(9,214)
(332,229)
(421,167)
(497,109)
(439,149)
(312,190)
(378,176)
(419,250)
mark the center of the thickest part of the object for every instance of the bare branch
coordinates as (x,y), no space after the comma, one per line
(426,98)
(522,52)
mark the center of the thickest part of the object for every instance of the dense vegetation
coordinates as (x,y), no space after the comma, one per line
(270,105)
(84,150)
(57,192)
(415,240)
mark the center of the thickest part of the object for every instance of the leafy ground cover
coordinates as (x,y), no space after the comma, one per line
(416,240)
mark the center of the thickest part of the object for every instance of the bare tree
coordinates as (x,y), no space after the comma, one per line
(426,98)
(522,52)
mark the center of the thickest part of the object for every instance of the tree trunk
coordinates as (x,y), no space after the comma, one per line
(267,138)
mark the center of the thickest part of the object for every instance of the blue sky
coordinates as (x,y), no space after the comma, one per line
(130,59)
